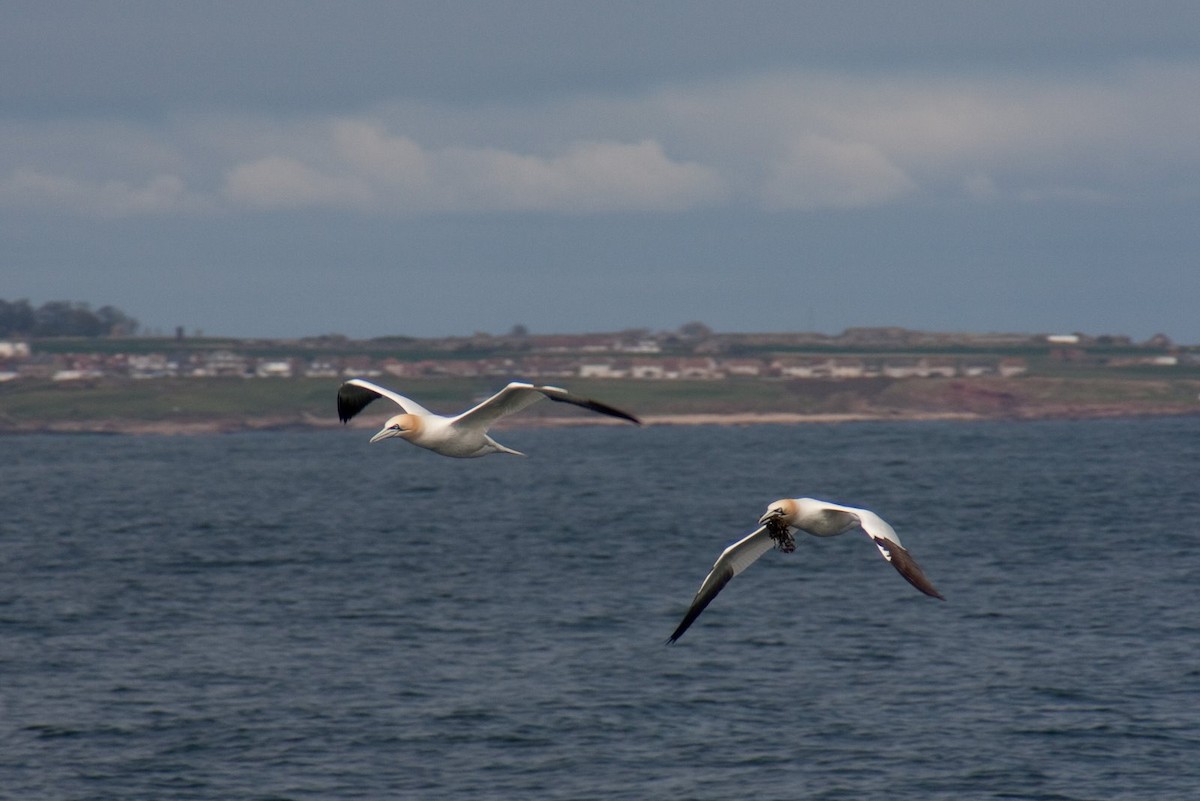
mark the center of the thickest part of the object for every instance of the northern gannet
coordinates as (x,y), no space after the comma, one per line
(819,518)
(465,435)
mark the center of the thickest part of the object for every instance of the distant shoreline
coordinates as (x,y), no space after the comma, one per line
(225,426)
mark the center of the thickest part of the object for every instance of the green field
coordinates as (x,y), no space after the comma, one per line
(237,402)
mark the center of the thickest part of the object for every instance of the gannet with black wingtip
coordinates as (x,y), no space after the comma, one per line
(464,436)
(819,518)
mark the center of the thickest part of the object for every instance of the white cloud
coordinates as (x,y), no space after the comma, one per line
(586,177)
(818,172)
(786,141)
(280,182)
(160,194)
(370,150)
(364,165)
(1116,131)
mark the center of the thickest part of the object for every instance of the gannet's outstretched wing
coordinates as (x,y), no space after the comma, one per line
(517,395)
(733,560)
(355,395)
(885,539)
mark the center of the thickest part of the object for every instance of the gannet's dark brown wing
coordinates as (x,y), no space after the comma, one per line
(356,394)
(906,566)
(733,560)
(885,539)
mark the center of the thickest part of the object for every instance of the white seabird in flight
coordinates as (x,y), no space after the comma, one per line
(819,518)
(465,435)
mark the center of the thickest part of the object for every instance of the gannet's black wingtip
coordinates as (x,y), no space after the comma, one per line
(352,399)
(562,396)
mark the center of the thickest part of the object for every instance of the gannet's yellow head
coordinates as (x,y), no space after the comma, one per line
(402,425)
(781,511)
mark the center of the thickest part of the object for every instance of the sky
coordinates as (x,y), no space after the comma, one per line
(376,168)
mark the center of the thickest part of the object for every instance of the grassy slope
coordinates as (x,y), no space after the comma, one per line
(29,404)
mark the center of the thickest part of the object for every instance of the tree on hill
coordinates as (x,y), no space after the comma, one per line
(60,318)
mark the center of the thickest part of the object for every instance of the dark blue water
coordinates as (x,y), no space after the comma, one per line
(306,616)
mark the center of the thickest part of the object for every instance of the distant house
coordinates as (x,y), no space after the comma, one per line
(150,365)
(222,363)
(976,369)
(320,369)
(799,367)
(357,366)
(602,369)
(498,367)
(12,349)
(901,368)
(939,368)
(748,368)
(920,368)
(273,368)
(699,368)
(652,369)
(846,368)
(75,375)
(639,346)
(813,367)
(1012,366)
(1137,361)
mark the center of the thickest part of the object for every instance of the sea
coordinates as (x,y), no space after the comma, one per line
(304,615)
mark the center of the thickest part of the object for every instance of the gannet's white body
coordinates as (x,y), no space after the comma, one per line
(819,518)
(463,436)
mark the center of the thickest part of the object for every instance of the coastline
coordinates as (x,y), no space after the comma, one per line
(309,423)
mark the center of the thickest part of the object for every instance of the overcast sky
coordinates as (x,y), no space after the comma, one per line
(434,168)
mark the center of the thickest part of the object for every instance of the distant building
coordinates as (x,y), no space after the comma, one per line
(602,369)
(13,349)
(1012,366)
(222,363)
(75,375)
(652,369)
(150,365)
(976,369)
(321,369)
(273,368)
(750,368)
(800,367)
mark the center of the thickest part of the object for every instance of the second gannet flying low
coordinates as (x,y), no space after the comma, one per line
(819,518)
(465,435)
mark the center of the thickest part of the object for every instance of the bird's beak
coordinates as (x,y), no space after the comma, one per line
(773,514)
(386,433)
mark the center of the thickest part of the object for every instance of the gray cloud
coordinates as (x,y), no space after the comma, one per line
(144,57)
(297,167)
(160,194)
(781,141)
(372,170)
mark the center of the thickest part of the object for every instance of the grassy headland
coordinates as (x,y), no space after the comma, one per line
(182,384)
(181,405)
